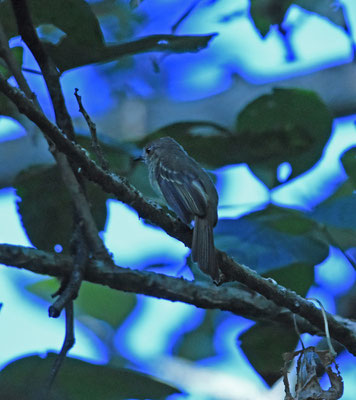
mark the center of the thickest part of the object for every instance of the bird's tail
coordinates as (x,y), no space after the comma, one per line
(203,249)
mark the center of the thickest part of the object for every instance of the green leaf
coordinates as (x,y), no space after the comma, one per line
(265,13)
(118,155)
(289,125)
(348,160)
(272,238)
(209,143)
(78,380)
(199,343)
(17,52)
(46,209)
(4,70)
(293,125)
(296,277)
(336,217)
(338,213)
(8,108)
(74,17)
(264,345)
(101,302)
(121,161)
(335,222)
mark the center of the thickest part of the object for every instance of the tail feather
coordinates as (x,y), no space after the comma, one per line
(203,249)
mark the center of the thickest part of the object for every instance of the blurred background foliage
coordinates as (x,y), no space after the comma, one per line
(288,125)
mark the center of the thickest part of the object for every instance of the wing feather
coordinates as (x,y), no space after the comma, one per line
(183,193)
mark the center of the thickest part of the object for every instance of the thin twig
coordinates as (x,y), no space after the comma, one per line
(47,66)
(31,71)
(92,127)
(158,60)
(297,331)
(184,16)
(71,285)
(68,343)
(84,214)
(327,333)
(6,54)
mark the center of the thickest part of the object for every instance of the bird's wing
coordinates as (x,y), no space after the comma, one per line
(183,193)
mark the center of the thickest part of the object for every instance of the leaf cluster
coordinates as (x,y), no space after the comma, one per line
(287,125)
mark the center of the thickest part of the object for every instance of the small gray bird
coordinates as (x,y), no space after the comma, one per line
(191,194)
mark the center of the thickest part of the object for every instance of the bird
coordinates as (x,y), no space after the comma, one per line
(189,192)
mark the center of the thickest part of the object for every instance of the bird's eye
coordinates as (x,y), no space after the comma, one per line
(148,149)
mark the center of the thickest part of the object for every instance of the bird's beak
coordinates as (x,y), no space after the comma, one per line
(140,158)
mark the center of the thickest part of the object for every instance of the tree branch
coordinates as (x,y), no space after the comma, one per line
(6,54)
(163,43)
(175,228)
(48,68)
(226,297)
(92,128)
(109,182)
(51,75)
(68,343)
(70,284)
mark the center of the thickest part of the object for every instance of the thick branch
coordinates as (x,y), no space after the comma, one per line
(227,298)
(129,195)
(238,300)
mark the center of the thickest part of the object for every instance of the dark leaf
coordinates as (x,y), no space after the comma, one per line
(78,380)
(63,14)
(348,160)
(46,209)
(17,52)
(121,161)
(296,277)
(337,213)
(101,302)
(265,13)
(209,143)
(335,222)
(264,345)
(345,303)
(7,107)
(118,155)
(272,238)
(289,125)
(293,125)
(199,343)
